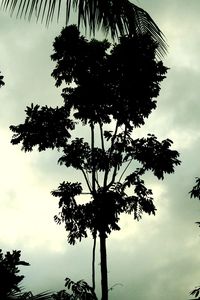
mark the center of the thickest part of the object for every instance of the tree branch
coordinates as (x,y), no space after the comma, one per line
(97,179)
(87,180)
(113,177)
(110,154)
(125,169)
(102,138)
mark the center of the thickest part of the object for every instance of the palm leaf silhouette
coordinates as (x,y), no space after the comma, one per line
(119,17)
(29,296)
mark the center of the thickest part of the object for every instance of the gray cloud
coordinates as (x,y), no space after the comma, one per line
(156,258)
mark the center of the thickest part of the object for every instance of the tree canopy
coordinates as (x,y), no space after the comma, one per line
(112,89)
(110,84)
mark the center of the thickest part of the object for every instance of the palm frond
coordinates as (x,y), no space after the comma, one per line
(118,18)
(41,296)
(42,9)
(29,296)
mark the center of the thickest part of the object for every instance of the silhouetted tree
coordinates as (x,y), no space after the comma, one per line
(111,89)
(79,290)
(9,273)
(119,17)
(10,280)
(195,193)
(10,283)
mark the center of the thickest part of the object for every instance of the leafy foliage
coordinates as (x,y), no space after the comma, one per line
(105,87)
(46,127)
(80,289)
(10,288)
(9,273)
(104,84)
(121,83)
(195,192)
(154,155)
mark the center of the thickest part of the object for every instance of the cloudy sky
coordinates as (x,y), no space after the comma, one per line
(156,258)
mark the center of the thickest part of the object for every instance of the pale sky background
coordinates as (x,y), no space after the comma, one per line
(156,258)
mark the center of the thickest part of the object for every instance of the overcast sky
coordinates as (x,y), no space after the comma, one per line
(156,258)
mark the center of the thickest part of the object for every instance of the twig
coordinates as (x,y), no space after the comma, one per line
(87,180)
(110,153)
(125,169)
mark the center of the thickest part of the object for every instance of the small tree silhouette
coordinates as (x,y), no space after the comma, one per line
(111,89)
(10,279)
(195,193)
(9,270)
(10,282)
(79,290)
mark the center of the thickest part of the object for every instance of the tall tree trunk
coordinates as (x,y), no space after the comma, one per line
(104,273)
(93,260)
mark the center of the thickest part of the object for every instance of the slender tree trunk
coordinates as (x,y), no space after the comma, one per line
(93,164)
(93,260)
(104,273)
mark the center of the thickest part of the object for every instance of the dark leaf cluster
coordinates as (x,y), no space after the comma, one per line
(195,192)
(119,81)
(79,155)
(154,155)
(1,81)
(79,290)
(9,273)
(142,199)
(77,217)
(76,154)
(45,127)
(102,213)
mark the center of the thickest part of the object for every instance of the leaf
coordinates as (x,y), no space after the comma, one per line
(107,134)
(195,192)
(195,292)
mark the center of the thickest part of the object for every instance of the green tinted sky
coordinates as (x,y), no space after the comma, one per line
(157,258)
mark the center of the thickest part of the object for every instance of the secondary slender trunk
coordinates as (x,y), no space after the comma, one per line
(93,260)
(104,273)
